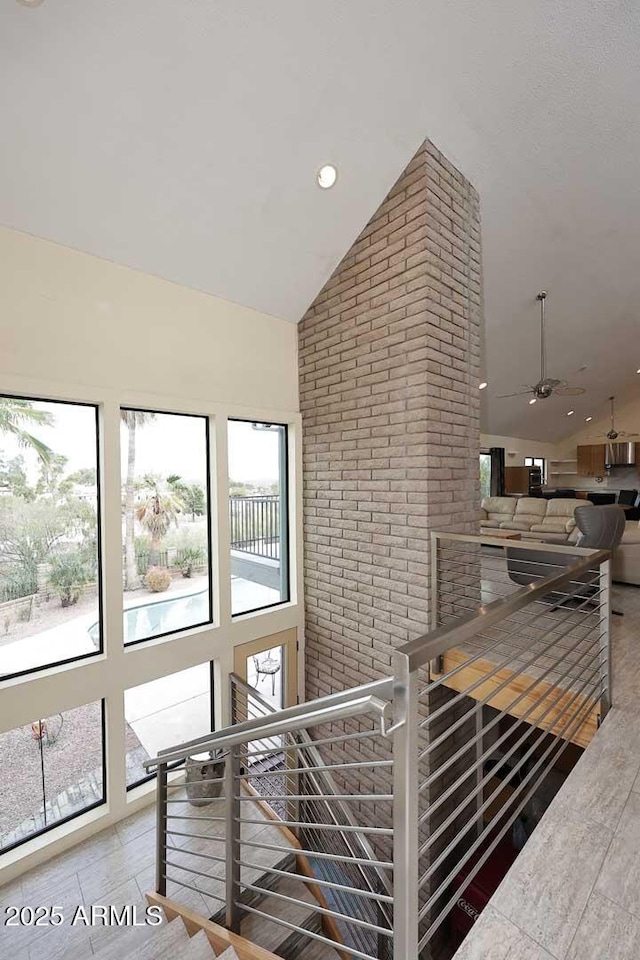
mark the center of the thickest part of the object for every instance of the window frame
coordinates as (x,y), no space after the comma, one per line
(212,719)
(79,813)
(105,677)
(99,534)
(542,462)
(284,520)
(209,491)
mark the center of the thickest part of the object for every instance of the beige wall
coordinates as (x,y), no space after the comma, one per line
(79,328)
(75,318)
(516,448)
(621,478)
(627,418)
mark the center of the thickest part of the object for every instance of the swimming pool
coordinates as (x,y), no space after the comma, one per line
(156,617)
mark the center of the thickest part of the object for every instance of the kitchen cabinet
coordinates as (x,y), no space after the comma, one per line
(591,458)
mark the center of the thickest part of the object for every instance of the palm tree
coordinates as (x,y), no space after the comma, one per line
(158,512)
(132,419)
(16,415)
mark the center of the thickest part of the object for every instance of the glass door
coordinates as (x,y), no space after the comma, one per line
(270,666)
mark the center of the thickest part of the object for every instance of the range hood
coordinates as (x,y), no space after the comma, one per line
(620,454)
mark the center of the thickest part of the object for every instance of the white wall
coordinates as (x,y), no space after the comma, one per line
(519,447)
(72,317)
(76,327)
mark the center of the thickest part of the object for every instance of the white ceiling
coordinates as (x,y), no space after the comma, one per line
(182,138)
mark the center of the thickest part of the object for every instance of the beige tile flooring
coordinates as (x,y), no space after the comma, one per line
(117,868)
(574,892)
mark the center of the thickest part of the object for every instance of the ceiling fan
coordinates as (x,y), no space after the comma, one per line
(545,386)
(614,434)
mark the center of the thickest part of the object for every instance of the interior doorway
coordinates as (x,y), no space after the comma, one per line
(269,665)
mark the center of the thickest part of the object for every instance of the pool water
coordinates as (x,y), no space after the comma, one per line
(153,619)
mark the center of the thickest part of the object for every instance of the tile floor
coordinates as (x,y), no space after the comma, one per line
(117,867)
(574,892)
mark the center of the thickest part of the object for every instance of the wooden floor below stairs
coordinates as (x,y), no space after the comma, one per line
(543,707)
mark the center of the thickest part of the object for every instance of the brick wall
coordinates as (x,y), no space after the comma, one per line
(389,364)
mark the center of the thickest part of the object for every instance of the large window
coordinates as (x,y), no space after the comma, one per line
(485,475)
(164,712)
(49,534)
(50,771)
(165,523)
(258,515)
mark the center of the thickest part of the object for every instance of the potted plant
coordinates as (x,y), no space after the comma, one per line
(203,778)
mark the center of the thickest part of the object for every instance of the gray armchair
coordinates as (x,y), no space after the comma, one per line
(601,528)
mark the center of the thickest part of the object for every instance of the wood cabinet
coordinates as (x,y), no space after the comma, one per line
(516,480)
(591,459)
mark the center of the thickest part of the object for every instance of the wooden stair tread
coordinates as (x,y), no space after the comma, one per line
(542,698)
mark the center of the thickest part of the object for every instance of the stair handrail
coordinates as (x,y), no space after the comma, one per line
(421,651)
(358,701)
(307,744)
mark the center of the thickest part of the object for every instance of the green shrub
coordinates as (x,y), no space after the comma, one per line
(20,581)
(68,574)
(158,579)
(188,558)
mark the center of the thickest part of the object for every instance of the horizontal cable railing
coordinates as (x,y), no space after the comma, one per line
(285,812)
(382,803)
(514,672)
(356,890)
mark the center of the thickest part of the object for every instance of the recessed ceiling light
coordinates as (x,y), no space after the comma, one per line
(483,385)
(327,176)
(637,371)
(533,400)
(570,413)
(588,419)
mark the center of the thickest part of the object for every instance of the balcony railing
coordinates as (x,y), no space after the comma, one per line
(393,795)
(255,525)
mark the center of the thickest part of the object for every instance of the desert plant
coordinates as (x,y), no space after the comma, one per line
(20,581)
(188,558)
(132,419)
(158,512)
(68,574)
(158,579)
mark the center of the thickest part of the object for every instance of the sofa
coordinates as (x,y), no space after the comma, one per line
(534,518)
(625,563)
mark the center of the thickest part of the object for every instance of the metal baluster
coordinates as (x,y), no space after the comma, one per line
(161,831)
(405,811)
(232,846)
(605,638)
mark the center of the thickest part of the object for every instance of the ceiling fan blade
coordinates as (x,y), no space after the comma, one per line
(521,393)
(567,391)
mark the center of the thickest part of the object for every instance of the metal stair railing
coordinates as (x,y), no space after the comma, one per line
(223,852)
(397,792)
(346,883)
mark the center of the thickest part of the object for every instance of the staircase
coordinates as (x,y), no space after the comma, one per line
(168,941)
(341,827)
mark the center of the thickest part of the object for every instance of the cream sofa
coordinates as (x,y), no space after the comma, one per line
(625,564)
(534,518)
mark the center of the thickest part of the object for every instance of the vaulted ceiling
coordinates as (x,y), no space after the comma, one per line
(183,139)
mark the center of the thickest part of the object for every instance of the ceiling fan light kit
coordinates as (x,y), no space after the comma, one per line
(546,386)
